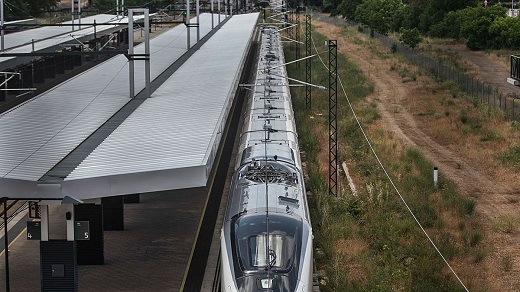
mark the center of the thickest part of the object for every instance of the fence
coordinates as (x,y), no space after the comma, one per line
(474,87)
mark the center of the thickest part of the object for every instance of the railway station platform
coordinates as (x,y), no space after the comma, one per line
(151,254)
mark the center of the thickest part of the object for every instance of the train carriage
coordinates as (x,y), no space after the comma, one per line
(266,240)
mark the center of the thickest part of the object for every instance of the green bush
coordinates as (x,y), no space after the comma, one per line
(393,49)
(473,123)
(507,263)
(511,156)
(480,254)
(410,37)
(370,114)
(468,207)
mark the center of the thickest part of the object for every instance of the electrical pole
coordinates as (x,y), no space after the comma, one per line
(291,21)
(308,63)
(333,122)
(297,37)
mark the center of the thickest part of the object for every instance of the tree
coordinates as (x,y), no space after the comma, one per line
(506,32)
(110,5)
(347,8)
(104,5)
(476,24)
(37,7)
(330,6)
(381,15)
(410,37)
(425,13)
(21,9)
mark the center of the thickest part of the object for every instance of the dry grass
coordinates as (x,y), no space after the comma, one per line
(351,252)
(448,117)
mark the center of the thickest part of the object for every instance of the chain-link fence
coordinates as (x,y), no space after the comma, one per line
(474,87)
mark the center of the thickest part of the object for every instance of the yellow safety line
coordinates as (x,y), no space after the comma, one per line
(18,236)
(204,209)
(198,230)
(205,206)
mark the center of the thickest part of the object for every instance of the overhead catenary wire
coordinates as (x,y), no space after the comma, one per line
(388,176)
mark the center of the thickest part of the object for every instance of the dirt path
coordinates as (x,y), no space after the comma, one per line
(490,71)
(493,198)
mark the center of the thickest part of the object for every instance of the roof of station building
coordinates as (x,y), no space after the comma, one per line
(171,140)
(176,131)
(40,132)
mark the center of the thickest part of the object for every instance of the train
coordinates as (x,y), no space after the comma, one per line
(266,237)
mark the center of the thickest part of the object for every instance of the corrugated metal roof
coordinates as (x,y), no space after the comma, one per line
(51,38)
(179,127)
(39,133)
(38,34)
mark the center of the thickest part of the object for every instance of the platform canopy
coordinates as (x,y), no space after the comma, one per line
(52,38)
(169,142)
(38,34)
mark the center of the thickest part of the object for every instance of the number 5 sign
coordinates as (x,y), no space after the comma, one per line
(81,230)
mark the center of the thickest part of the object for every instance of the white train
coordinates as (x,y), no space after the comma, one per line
(266,239)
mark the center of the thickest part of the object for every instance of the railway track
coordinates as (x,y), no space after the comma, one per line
(14,208)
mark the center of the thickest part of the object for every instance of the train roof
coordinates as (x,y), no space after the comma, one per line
(268,185)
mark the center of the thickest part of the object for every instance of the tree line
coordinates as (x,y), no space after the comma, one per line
(23,9)
(481,26)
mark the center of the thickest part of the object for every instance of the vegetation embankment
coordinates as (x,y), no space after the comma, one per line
(370,242)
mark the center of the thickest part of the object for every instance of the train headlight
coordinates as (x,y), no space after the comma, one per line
(266,283)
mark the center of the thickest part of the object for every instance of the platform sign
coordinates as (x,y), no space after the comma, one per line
(34,210)
(81,230)
(34,230)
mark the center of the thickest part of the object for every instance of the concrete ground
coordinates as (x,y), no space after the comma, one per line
(151,254)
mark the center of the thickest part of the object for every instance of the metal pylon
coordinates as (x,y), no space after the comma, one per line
(290,30)
(308,63)
(297,37)
(333,122)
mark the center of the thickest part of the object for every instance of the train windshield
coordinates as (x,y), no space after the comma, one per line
(267,252)
(255,249)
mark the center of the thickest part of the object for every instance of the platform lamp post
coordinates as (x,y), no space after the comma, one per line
(72,12)
(145,56)
(188,24)
(198,20)
(212,15)
(79,14)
